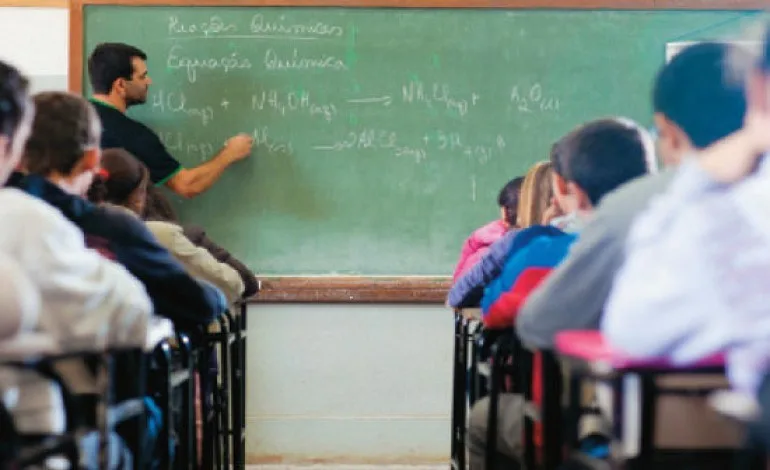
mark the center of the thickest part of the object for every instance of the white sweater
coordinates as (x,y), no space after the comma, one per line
(88,303)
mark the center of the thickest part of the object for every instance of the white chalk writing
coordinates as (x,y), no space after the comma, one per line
(438,94)
(177,103)
(191,65)
(274,62)
(375,139)
(533,99)
(262,140)
(260,25)
(196,151)
(453,142)
(284,103)
(214,26)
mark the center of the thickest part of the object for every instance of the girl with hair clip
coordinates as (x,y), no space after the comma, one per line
(124,183)
(535,204)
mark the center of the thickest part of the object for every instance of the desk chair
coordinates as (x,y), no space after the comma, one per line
(34,351)
(511,364)
(238,390)
(466,325)
(588,357)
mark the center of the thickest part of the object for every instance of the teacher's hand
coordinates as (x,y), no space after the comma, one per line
(239,146)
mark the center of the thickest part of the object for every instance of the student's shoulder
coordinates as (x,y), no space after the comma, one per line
(634,196)
(550,244)
(164,231)
(527,236)
(29,212)
(121,222)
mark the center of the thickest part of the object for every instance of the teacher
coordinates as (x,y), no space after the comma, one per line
(119,78)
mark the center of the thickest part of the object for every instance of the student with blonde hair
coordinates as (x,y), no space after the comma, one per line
(534,200)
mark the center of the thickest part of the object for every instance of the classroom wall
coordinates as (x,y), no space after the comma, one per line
(349,383)
(35,40)
(334,383)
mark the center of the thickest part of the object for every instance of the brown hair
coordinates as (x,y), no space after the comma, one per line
(158,207)
(536,194)
(126,179)
(64,127)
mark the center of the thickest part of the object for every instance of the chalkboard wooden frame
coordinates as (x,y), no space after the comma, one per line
(411,290)
(377,290)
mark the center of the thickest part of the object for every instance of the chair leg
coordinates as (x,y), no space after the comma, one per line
(206,412)
(459,402)
(236,405)
(496,379)
(242,412)
(524,376)
(164,396)
(552,412)
(648,422)
(188,448)
(224,373)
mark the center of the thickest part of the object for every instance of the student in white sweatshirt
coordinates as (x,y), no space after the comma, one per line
(86,301)
(694,282)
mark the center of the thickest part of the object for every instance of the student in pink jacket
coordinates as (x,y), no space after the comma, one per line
(482,238)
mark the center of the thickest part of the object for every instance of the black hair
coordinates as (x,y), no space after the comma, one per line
(14,99)
(601,155)
(109,62)
(508,199)
(693,92)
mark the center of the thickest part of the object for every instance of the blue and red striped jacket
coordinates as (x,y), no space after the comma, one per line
(524,270)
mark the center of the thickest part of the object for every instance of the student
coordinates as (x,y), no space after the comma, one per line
(61,158)
(534,200)
(86,302)
(703,250)
(694,106)
(19,299)
(159,208)
(588,163)
(482,238)
(120,79)
(125,186)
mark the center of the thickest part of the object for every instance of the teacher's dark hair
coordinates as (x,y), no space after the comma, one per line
(109,62)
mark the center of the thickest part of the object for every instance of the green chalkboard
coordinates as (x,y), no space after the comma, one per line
(382,135)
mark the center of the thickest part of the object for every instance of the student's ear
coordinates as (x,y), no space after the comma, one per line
(581,198)
(757,91)
(559,185)
(670,133)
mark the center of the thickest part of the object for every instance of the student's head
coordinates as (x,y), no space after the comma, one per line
(123,183)
(695,101)
(508,200)
(536,194)
(16,111)
(120,71)
(64,143)
(596,158)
